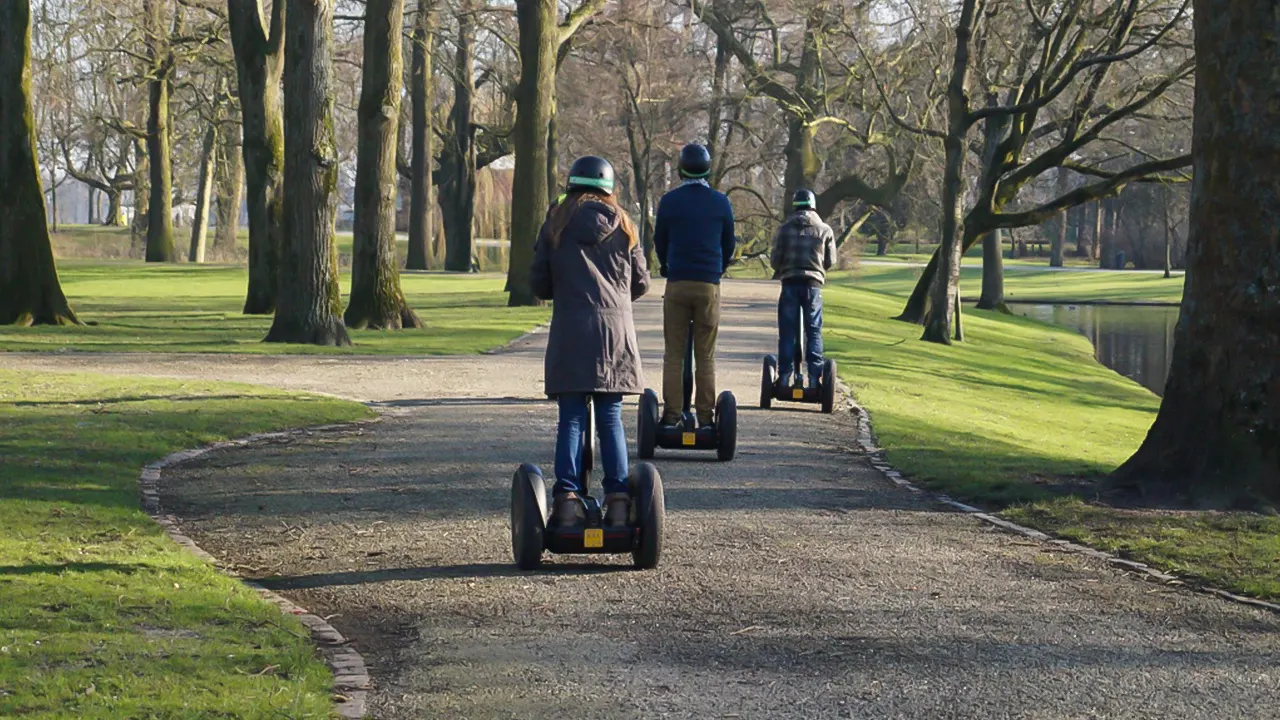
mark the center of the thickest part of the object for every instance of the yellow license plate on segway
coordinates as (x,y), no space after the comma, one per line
(593,538)
(797,393)
(689,439)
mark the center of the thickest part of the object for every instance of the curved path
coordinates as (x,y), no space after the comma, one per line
(796,583)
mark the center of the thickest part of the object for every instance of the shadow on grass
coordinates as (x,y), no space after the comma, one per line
(80,567)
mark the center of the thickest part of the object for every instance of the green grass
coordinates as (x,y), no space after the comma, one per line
(101,616)
(189,308)
(1021,416)
(1026,283)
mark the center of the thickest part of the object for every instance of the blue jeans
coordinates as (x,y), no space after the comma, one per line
(613,442)
(794,301)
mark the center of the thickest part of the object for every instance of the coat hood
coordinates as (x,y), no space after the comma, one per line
(593,223)
(805,217)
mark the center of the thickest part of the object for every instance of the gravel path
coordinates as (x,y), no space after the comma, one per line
(796,582)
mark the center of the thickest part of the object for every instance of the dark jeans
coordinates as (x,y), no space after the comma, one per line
(795,301)
(613,442)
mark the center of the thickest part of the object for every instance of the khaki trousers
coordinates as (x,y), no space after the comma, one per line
(687,301)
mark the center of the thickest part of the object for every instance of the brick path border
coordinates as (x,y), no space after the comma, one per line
(350,675)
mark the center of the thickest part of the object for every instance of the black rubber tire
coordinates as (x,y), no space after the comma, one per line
(651,512)
(768,380)
(528,516)
(647,425)
(829,386)
(726,426)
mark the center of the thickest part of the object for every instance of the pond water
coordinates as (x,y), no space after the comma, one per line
(1134,340)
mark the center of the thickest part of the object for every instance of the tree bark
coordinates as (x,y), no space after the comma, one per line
(309,306)
(1060,223)
(259,52)
(204,194)
(1216,438)
(945,290)
(159,137)
(53,200)
(994,131)
(141,202)
(422,152)
(458,189)
(534,94)
(30,293)
(376,299)
(228,187)
(115,209)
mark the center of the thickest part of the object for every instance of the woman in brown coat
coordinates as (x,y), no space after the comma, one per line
(589,262)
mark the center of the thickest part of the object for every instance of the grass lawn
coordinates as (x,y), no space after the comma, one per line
(1028,282)
(190,308)
(1021,417)
(101,616)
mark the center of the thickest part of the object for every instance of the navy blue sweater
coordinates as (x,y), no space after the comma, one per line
(694,234)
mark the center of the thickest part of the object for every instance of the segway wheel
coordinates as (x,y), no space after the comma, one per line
(829,386)
(651,511)
(726,426)
(528,516)
(647,425)
(768,379)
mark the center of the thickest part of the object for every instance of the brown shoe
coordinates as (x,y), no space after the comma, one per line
(569,511)
(617,509)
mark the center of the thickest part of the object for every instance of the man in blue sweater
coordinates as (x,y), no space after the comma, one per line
(694,241)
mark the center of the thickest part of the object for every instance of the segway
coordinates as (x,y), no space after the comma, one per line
(721,435)
(772,389)
(532,532)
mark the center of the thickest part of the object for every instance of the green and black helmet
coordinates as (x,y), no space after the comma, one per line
(804,199)
(591,173)
(695,162)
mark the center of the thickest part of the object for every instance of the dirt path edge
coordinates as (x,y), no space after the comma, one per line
(350,675)
(867,443)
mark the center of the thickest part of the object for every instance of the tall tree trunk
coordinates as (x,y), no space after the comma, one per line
(30,293)
(376,300)
(639,150)
(92,206)
(534,95)
(1060,223)
(228,187)
(1106,233)
(115,209)
(53,200)
(204,194)
(1168,233)
(458,190)
(715,113)
(422,89)
(1216,438)
(159,137)
(141,202)
(945,290)
(259,52)
(553,155)
(309,307)
(994,131)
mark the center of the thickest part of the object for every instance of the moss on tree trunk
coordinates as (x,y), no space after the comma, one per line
(309,304)
(421,217)
(159,139)
(1216,438)
(534,94)
(30,293)
(204,196)
(228,187)
(259,53)
(376,300)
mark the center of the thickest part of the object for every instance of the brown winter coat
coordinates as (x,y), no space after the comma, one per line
(592,276)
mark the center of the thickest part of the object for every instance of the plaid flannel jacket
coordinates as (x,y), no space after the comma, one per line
(804,247)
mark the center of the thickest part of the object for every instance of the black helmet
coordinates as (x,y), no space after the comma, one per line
(695,161)
(591,173)
(804,199)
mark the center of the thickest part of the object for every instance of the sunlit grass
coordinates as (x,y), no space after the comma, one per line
(101,616)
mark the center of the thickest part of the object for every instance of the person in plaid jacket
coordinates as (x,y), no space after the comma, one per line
(803,250)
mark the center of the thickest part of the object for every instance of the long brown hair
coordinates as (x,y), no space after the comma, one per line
(567,208)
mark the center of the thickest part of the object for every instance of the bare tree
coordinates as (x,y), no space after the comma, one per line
(541,39)
(309,302)
(30,293)
(422,152)
(259,52)
(376,299)
(1217,435)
